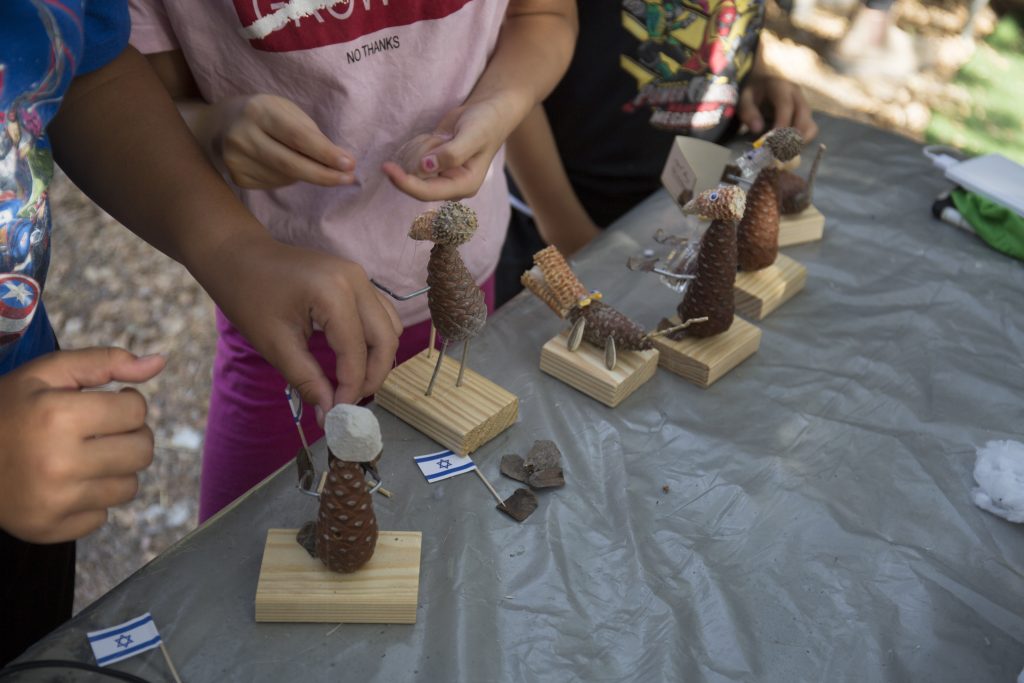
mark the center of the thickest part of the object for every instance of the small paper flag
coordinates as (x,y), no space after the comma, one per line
(294,402)
(443,465)
(124,640)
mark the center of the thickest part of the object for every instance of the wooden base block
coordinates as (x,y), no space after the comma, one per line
(704,361)
(806,226)
(584,369)
(762,291)
(296,587)
(459,418)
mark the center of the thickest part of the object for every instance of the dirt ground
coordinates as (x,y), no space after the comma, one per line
(149,304)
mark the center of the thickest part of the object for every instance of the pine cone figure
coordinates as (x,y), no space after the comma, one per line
(346,527)
(784,143)
(603,321)
(757,237)
(457,305)
(710,294)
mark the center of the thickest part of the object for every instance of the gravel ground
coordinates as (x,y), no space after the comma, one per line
(141,300)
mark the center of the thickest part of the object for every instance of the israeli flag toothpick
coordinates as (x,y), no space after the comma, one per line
(443,465)
(117,643)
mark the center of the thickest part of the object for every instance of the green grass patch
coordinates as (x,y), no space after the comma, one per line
(993,121)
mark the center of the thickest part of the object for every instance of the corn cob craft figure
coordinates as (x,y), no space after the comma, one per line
(554,283)
(757,237)
(457,307)
(709,295)
(344,534)
(795,193)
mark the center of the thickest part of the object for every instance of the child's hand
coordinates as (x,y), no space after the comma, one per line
(276,295)
(451,161)
(265,141)
(68,455)
(782,97)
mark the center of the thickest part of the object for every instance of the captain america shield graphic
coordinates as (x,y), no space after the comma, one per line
(19,299)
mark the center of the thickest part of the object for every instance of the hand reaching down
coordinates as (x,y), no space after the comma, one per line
(783,99)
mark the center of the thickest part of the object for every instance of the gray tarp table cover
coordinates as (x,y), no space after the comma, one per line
(818,525)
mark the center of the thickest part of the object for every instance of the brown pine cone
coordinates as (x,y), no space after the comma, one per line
(457,306)
(346,528)
(794,194)
(710,294)
(603,321)
(757,238)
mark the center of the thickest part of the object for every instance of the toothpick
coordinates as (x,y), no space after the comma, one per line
(675,328)
(170,664)
(433,339)
(489,487)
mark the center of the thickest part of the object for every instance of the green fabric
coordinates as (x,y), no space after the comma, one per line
(1000,227)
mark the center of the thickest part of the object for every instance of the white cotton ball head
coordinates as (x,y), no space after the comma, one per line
(999,472)
(353,433)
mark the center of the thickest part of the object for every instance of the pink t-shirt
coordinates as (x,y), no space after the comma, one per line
(372,74)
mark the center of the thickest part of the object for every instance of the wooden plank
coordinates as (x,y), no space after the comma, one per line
(296,587)
(705,361)
(459,418)
(806,226)
(760,292)
(584,369)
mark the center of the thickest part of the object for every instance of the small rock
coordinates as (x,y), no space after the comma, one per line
(353,433)
(546,479)
(186,438)
(519,505)
(512,466)
(543,456)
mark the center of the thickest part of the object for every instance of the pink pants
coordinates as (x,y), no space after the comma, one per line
(249,431)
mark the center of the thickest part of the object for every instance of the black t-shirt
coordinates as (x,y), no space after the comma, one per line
(643,72)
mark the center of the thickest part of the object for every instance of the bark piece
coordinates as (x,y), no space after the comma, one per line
(543,456)
(513,467)
(551,477)
(519,505)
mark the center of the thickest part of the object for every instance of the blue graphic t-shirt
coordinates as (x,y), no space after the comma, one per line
(44,44)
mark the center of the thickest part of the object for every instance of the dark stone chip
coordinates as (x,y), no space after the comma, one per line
(512,466)
(519,505)
(543,456)
(546,479)
(307,538)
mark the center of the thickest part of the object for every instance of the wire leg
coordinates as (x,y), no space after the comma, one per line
(462,365)
(437,368)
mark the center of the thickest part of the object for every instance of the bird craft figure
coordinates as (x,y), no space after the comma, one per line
(757,237)
(457,307)
(554,283)
(344,534)
(708,303)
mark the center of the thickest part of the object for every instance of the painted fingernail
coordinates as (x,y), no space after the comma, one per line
(430,163)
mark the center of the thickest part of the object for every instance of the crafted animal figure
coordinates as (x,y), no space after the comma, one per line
(457,307)
(554,283)
(795,193)
(757,238)
(710,294)
(344,534)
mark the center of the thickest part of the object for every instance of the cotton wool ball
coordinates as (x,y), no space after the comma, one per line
(353,433)
(999,473)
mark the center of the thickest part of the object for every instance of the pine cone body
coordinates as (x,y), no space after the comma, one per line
(757,237)
(794,193)
(603,321)
(457,306)
(710,294)
(346,528)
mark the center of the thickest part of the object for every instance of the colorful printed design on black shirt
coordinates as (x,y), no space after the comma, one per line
(36,66)
(690,58)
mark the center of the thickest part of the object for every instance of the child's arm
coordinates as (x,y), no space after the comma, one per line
(783,96)
(532,54)
(68,455)
(119,137)
(537,169)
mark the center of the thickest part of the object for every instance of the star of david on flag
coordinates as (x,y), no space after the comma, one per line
(443,465)
(124,640)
